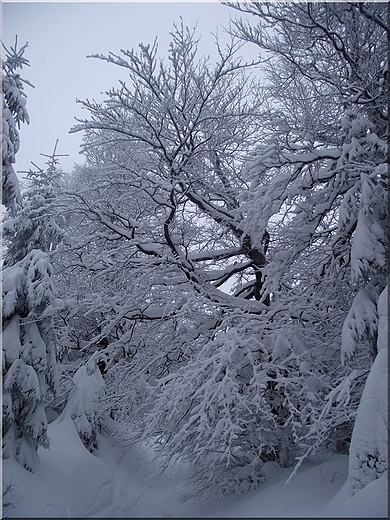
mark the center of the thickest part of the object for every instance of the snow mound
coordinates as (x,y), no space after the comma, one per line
(319,491)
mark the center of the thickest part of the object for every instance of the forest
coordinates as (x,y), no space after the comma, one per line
(212,281)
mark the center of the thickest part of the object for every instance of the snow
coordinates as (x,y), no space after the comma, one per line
(281,348)
(369,443)
(383,312)
(370,502)
(23,376)
(112,482)
(311,494)
(30,280)
(12,347)
(369,252)
(13,281)
(117,481)
(332,153)
(84,400)
(360,323)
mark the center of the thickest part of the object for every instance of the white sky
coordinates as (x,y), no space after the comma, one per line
(61,35)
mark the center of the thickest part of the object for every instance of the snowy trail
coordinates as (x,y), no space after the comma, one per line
(118,481)
(113,482)
(133,492)
(121,494)
(103,494)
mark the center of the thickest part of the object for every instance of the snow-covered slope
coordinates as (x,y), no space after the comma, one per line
(117,482)
(320,491)
(114,481)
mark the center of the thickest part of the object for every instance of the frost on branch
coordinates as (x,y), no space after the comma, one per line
(226,410)
(368,456)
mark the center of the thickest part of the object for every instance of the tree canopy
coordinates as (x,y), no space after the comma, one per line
(223,248)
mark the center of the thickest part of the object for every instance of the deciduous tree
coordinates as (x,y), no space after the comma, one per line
(322,172)
(235,235)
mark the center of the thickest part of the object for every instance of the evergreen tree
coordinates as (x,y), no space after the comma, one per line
(37,224)
(29,360)
(14,113)
(29,365)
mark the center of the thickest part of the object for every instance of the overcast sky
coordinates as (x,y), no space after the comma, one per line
(61,35)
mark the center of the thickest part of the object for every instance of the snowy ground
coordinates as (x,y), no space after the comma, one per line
(116,482)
